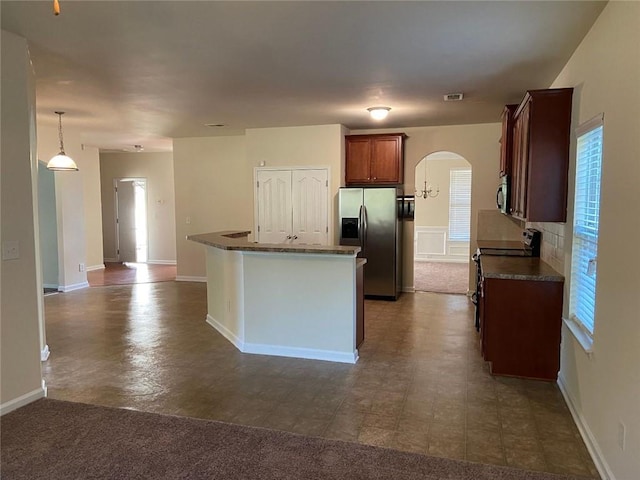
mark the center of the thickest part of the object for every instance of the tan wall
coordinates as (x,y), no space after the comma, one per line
(605,387)
(214,179)
(157,168)
(20,312)
(320,145)
(478,144)
(434,212)
(213,189)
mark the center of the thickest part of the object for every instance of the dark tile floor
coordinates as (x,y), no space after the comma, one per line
(420,384)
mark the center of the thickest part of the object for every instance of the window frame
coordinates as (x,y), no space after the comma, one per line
(452,171)
(584,329)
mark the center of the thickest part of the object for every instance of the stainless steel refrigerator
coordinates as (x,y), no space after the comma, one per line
(370,217)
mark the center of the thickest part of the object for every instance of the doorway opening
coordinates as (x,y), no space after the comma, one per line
(442,224)
(131,220)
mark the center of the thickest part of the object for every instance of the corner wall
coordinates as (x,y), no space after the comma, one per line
(21,292)
(604,387)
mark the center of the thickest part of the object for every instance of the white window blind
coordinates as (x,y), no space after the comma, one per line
(460,205)
(586,220)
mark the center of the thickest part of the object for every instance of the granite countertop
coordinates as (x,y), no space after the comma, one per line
(237,240)
(518,268)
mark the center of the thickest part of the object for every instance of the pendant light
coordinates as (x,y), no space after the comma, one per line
(61,161)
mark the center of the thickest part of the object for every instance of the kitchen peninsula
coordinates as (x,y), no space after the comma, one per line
(291,300)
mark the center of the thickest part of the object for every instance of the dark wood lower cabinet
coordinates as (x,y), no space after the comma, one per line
(521,324)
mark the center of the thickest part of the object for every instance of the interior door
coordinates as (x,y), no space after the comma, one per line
(125,221)
(273,196)
(310,196)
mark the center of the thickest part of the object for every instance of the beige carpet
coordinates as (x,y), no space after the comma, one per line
(441,277)
(51,439)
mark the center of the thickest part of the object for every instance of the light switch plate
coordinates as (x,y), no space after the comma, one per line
(10,250)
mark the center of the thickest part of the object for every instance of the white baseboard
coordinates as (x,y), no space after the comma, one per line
(23,400)
(95,267)
(110,260)
(50,285)
(44,354)
(299,352)
(585,432)
(187,278)
(226,333)
(161,262)
(443,259)
(73,286)
(280,351)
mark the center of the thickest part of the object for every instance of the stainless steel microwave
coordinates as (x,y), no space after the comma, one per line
(502,195)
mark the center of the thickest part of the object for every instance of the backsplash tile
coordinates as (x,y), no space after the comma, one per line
(552,246)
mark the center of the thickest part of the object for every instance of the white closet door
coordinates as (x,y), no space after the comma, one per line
(273,193)
(310,193)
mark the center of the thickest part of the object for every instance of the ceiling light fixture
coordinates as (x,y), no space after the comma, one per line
(378,113)
(61,161)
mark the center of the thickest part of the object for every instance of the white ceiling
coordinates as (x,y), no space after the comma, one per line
(142,72)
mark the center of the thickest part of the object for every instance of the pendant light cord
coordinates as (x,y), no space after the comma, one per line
(60,132)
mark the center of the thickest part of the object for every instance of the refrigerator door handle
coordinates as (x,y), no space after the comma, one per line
(364,227)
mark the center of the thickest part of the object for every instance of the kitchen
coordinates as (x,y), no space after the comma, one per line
(203,180)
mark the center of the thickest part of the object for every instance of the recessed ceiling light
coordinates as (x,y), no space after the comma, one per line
(378,113)
(214,124)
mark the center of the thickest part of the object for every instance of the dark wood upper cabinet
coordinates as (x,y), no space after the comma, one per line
(539,171)
(506,140)
(374,159)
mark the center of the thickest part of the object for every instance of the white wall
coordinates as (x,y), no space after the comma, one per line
(478,144)
(157,168)
(21,294)
(605,386)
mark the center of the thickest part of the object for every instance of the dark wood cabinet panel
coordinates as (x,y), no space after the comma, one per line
(358,167)
(506,140)
(374,159)
(521,327)
(540,163)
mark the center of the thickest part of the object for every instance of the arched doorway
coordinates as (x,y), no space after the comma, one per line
(442,223)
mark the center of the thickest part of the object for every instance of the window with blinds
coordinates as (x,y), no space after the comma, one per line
(586,218)
(460,205)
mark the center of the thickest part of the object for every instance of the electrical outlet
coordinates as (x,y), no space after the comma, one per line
(187,220)
(10,250)
(81,267)
(622,435)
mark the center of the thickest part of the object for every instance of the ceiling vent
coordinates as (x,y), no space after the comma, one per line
(453,97)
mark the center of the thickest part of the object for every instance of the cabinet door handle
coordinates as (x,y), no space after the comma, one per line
(295,237)
(288,237)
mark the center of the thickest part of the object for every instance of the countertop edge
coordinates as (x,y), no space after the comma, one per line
(237,240)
